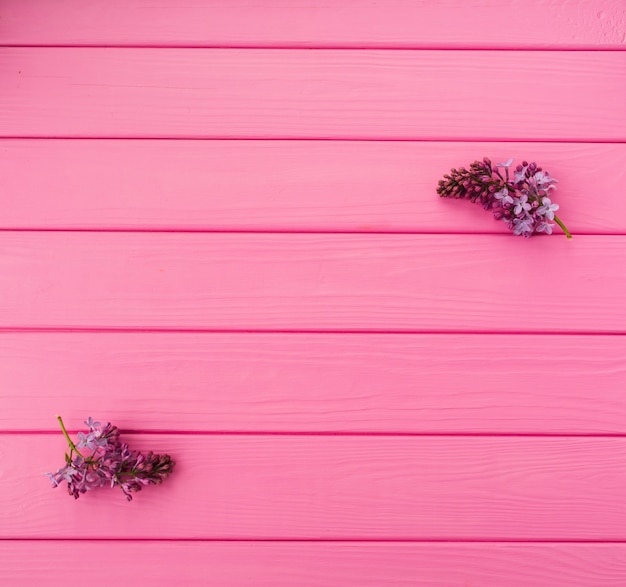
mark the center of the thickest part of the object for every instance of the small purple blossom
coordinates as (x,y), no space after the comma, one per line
(522,226)
(522,202)
(542,178)
(85,441)
(505,164)
(68,472)
(503,196)
(520,174)
(521,205)
(54,478)
(92,425)
(111,462)
(547,208)
(544,227)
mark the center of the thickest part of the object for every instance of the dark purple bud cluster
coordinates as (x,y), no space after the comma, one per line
(523,202)
(111,463)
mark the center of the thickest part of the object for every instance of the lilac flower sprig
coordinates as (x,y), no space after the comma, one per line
(111,463)
(523,202)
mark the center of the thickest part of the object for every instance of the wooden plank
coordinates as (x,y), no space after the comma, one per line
(333,487)
(366,94)
(286,185)
(296,23)
(316,382)
(315,564)
(398,283)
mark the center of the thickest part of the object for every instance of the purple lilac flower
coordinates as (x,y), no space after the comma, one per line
(503,196)
(86,440)
(547,208)
(542,178)
(55,478)
(522,202)
(111,462)
(520,174)
(521,205)
(92,425)
(522,226)
(544,227)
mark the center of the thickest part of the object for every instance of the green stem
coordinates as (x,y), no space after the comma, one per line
(558,221)
(67,437)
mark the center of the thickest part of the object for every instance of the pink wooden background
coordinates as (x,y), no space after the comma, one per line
(219,230)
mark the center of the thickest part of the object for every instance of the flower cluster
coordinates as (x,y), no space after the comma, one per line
(523,202)
(111,463)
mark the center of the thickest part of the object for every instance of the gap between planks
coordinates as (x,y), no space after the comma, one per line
(130,330)
(368,232)
(305,138)
(318,47)
(399,540)
(325,433)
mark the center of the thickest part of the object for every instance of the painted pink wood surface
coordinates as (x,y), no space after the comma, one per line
(333,487)
(479,384)
(286,185)
(222,93)
(323,282)
(300,23)
(430,436)
(318,564)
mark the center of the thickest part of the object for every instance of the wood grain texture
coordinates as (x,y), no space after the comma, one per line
(332,487)
(419,409)
(314,564)
(316,382)
(300,23)
(394,283)
(286,185)
(221,93)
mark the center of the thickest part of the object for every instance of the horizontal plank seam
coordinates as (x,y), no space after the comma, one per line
(337,232)
(609,48)
(307,333)
(329,433)
(563,142)
(302,332)
(116,329)
(327,540)
(355,139)
(326,433)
